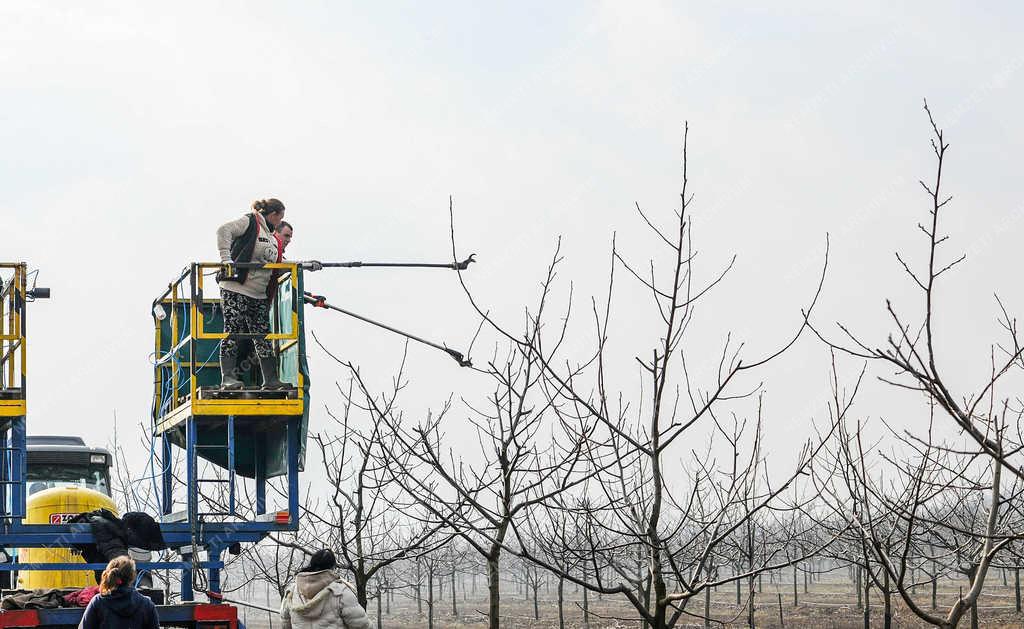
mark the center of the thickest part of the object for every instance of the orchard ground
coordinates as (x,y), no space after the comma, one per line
(829,604)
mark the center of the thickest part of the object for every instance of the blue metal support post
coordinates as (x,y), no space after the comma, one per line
(186,579)
(166,473)
(19,465)
(293,470)
(5,473)
(231,464)
(213,554)
(192,470)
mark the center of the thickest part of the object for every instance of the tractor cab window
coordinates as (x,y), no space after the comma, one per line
(95,477)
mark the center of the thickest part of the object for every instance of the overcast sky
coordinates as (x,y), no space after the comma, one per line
(131,131)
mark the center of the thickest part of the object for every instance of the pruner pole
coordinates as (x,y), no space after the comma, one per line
(454,266)
(218,596)
(320,301)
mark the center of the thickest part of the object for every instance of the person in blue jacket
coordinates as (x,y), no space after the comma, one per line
(119,605)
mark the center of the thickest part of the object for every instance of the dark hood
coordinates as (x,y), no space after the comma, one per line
(123,601)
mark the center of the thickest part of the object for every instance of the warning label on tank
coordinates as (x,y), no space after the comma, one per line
(61,518)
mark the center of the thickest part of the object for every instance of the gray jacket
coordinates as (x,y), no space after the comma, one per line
(265,250)
(320,600)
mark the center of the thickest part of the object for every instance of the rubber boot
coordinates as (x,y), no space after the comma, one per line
(271,382)
(229,373)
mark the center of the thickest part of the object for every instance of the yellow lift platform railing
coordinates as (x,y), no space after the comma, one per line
(189,328)
(13,295)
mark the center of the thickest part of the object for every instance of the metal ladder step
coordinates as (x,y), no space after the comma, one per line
(229,447)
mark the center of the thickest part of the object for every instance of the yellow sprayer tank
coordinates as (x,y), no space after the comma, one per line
(57,506)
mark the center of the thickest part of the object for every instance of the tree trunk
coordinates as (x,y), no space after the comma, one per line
(750,579)
(380,614)
(860,591)
(972,574)
(644,595)
(1016,586)
(455,607)
(586,606)
(750,603)
(430,598)
(561,602)
(270,616)
(419,590)
(867,603)
(493,592)
(887,599)
(360,583)
(796,598)
(536,605)
(707,607)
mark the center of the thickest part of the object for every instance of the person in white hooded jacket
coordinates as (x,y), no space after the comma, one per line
(319,599)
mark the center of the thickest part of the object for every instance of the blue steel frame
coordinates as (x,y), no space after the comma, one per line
(194,533)
(214,537)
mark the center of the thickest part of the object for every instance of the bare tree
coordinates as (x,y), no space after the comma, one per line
(479,500)
(911,346)
(275,561)
(913,517)
(365,518)
(654,538)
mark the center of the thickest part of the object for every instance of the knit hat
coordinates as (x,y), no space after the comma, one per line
(321,560)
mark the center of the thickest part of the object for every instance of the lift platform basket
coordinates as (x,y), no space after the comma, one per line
(189,328)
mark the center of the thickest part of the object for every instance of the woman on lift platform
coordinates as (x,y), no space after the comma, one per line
(244,295)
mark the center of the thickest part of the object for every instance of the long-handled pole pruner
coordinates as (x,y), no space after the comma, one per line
(217,596)
(320,301)
(455,266)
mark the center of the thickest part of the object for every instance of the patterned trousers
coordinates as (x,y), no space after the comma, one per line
(245,315)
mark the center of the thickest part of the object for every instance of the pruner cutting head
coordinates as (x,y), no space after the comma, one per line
(462,266)
(459,358)
(317,301)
